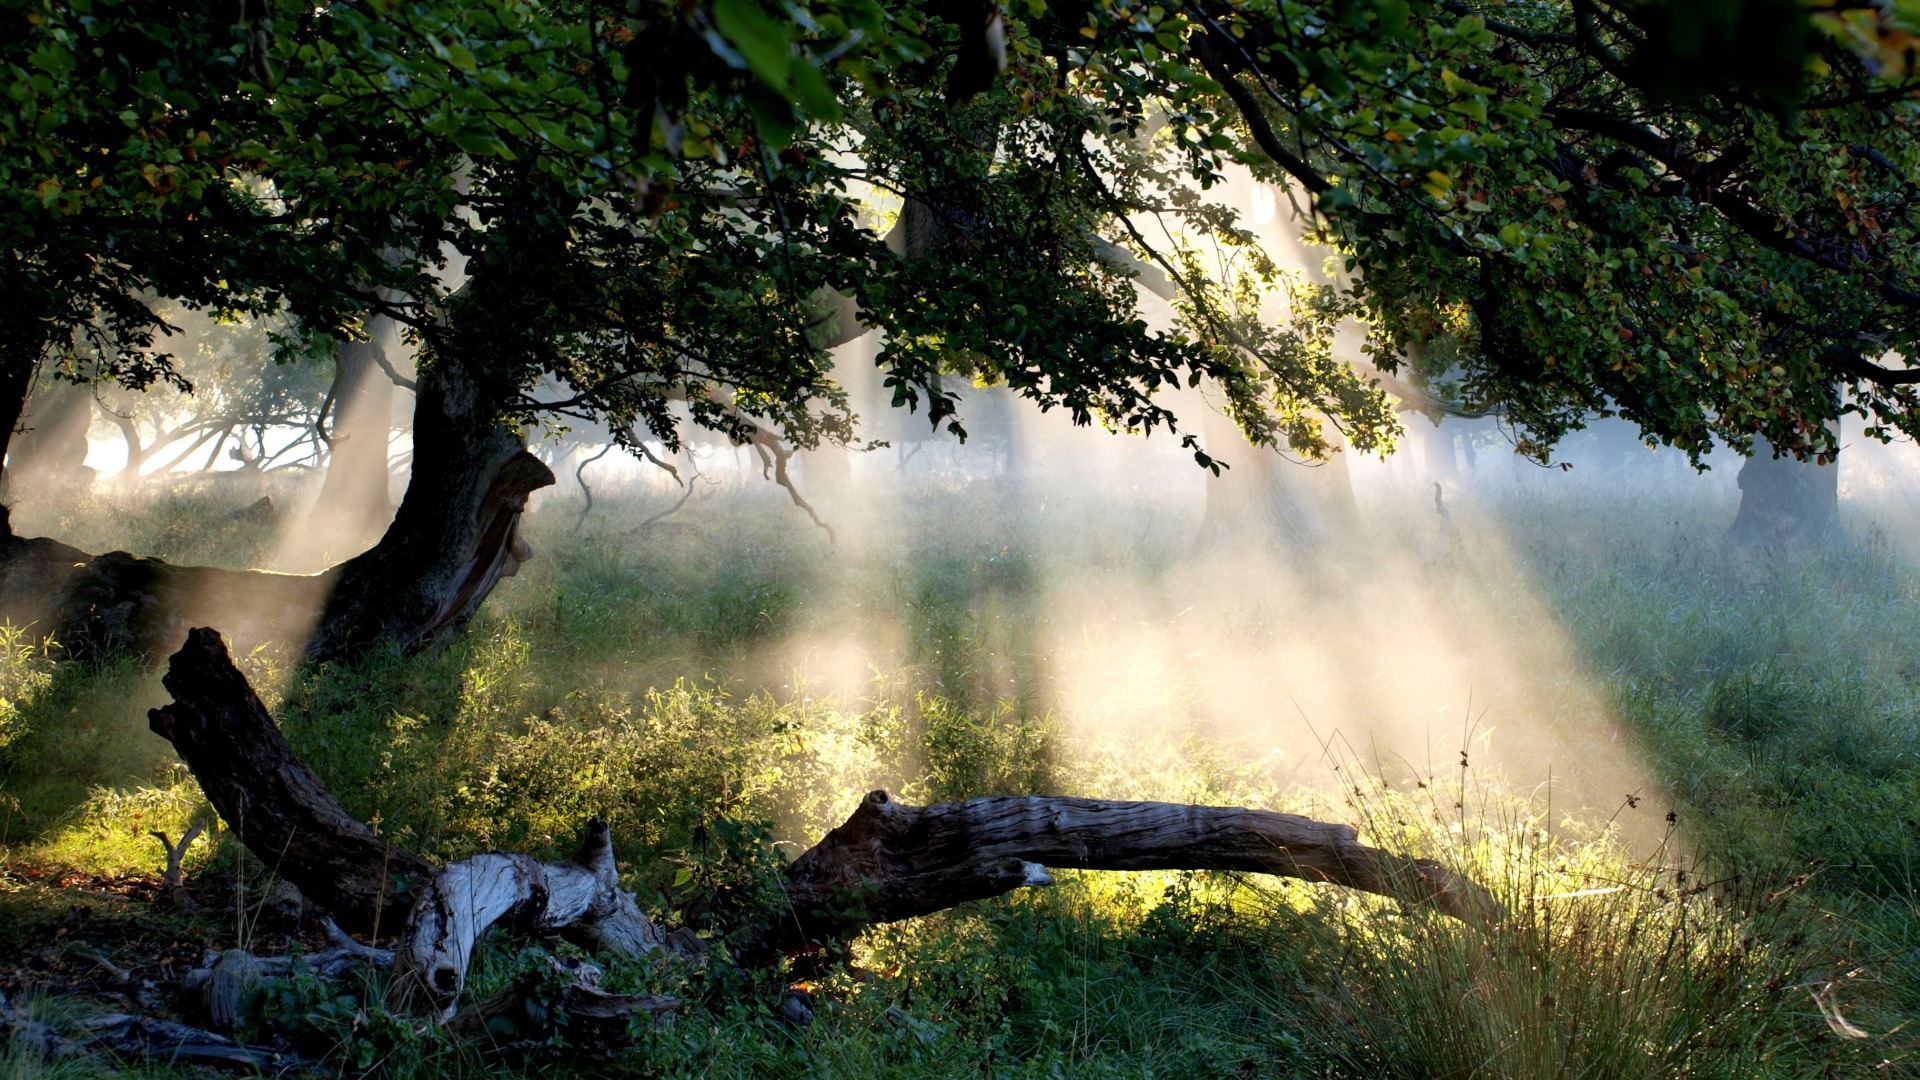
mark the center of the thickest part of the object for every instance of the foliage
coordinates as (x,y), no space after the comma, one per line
(657,209)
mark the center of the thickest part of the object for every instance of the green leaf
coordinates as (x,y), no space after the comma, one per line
(763,41)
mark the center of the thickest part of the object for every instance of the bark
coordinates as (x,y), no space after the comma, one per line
(1785,502)
(889,861)
(271,800)
(892,861)
(456,534)
(354,504)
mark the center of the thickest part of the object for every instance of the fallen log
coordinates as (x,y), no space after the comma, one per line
(271,800)
(889,861)
(224,983)
(579,899)
(119,602)
(563,1001)
(139,1036)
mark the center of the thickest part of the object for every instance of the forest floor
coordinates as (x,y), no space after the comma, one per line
(1691,773)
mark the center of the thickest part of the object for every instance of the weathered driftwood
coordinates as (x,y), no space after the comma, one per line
(223,985)
(279,809)
(565,1000)
(141,1036)
(579,899)
(892,861)
(889,861)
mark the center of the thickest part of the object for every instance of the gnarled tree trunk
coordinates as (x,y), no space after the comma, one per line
(455,537)
(456,534)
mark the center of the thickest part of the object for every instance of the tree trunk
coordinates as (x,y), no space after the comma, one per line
(456,534)
(1263,500)
(455,537)
(889,861)
(1436,448)
(354,506)
(130,434)
(278,808)
(50,452)
(1785,502)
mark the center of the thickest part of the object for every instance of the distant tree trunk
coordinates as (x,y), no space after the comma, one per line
(1785,502)
(1263,499)
(354,505)
(457,531)
(1437,452)
(52,448)
(130,433)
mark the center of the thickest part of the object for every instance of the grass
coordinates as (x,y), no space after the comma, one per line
(725,688)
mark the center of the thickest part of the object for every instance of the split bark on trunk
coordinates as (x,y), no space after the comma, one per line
(889,861)
(457,532)
(1785,502)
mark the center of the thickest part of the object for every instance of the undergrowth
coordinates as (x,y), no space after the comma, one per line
(667,680)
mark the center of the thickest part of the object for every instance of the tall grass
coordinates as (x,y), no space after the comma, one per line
(654,678)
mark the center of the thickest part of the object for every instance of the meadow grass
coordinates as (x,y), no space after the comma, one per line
(660,678)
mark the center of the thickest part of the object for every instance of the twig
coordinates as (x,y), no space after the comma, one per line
(580,476)
(174,877)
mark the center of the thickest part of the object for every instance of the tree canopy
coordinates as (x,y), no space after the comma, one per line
(1695,216)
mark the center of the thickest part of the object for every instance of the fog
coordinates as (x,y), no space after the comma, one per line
(1401,632)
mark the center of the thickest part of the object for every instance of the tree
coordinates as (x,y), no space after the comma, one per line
(655,210)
